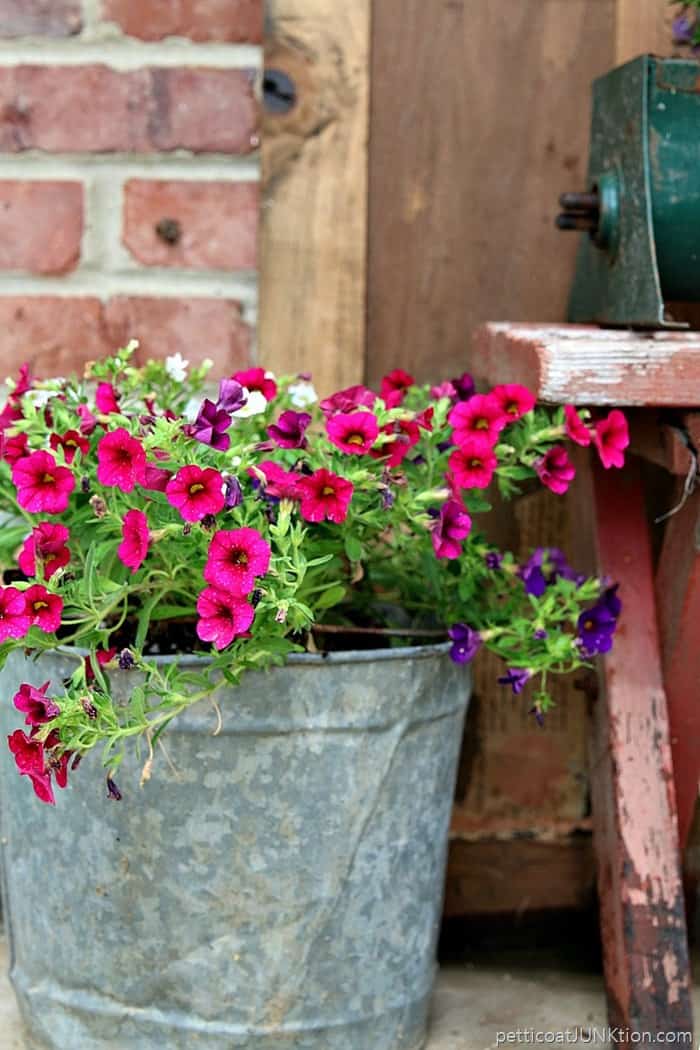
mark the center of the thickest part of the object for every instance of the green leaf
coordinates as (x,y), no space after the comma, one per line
(332,596)
(353,548)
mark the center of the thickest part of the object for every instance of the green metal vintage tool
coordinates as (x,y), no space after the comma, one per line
(642,205)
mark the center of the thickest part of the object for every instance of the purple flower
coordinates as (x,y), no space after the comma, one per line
(113,791)
(464,386)
(387,497)
(290,428)
(233,494)
(540,634)
(611,601)
(493,560)
(683,27)
(452,526)
(596,626)
(467,643)
(232,396)
(126,660)
(516,678)
(544,566)
(539,716)
(210,426)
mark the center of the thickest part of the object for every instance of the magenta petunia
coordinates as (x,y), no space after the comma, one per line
(257,379)
(121,460)
(156,478)
(232,396)
(348,400)
(47,544)
(44,608)
(481,416)
(354,432)
(473,466)
(15,621)
(14,448)
(223,617)
(325,497)
(576,429)
(106,399)
(42,486)
(279,483)
(555,469)
(404,433)
(452,526)
(290,429)
(395,386)
(611,438)
(36,705)
(515,400)
(88,423)
(235,558)
(71,442)
(196,492)
(31,762)
(133,549)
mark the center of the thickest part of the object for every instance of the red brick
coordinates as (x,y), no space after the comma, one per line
(213,225)
(55,334)
(40,17)
(96,109)
(196,328)
(41,225)
(232,21)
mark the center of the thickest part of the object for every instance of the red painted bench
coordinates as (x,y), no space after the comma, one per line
(645,723)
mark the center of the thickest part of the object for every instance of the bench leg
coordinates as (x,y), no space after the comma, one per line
(634,810)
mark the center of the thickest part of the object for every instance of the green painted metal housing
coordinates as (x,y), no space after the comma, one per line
(645,165)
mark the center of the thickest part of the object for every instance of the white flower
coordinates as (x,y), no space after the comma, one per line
(39,398)
(176,367)
(256,403)
(302,395)
(191,409)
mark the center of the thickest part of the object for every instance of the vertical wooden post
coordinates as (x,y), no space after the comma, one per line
(635,831)
(641,27)
(314,212)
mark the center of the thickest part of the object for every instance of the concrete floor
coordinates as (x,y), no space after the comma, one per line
(471,1005)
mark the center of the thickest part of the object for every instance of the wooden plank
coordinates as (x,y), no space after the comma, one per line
(659,442)
(635,832)
(678,603)
(642,27)
(479,120)
(493,876)
(586,365)
(314,211)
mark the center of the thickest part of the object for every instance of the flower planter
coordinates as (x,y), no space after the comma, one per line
(276,885)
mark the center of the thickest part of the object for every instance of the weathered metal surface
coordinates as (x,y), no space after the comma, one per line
(585,365)
(678,603)
(634,829)
(275,886)
(644,166)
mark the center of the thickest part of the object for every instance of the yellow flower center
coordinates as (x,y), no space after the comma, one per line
(356,439)
(195,488)
(327,490)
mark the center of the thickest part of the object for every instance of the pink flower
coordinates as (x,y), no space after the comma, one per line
(157,478)
(87,420)
(279,483)
(15,621)
(235,558)
(196,492)
(576,429)
(257,379)
(38,707)
(30,761)
(348,400)
(222,617)
(106,399)
(453,525)
(14,448)
(71,442)
(355,432)
(42,486)
(445,389)
(133,549)
(325,497)
(394,387)
(103,657)
(515,400)
(481,416)
(44,608)
(473,465)
(121,460)
(47,542)
(555,469)
(405,434)
(611,438)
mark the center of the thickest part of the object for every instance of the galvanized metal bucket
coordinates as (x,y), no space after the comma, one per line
(275,886)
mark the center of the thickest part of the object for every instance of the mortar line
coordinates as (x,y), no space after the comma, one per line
(128,55)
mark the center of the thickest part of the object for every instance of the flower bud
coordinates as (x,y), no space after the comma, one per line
(99,507)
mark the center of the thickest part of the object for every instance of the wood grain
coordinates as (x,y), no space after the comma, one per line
(479,120)
(314,212)
(642,27)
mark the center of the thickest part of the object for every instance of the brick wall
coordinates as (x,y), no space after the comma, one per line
(128,179)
